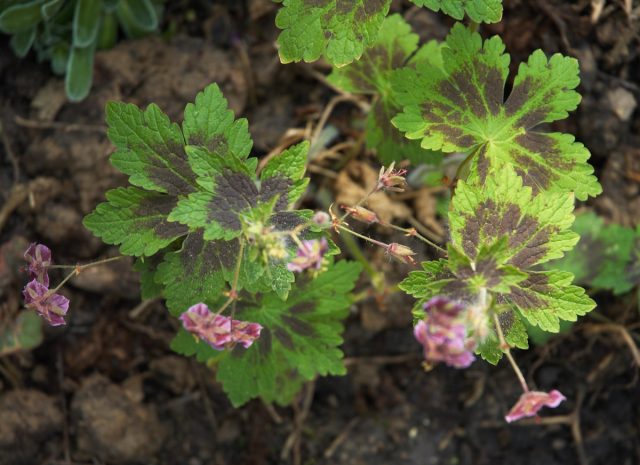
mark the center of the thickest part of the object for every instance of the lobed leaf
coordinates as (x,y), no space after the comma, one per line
(340,30)
(461,108)
(481,11)
(606,256)
(136,220)
(373,74)
(299,340)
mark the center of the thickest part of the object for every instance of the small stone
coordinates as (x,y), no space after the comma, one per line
(622,103)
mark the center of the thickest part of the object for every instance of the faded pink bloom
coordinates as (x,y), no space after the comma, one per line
(244,332)
(443,336)
(219,331)
(391,179)
(39,258)
(51,307)
(309,255)
(214,329)
(531,402)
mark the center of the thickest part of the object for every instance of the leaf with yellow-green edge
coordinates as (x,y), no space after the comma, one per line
(461,108)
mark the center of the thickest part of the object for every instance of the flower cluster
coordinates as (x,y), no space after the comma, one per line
(443,335)
(219,331)
(309,255)
(37,296)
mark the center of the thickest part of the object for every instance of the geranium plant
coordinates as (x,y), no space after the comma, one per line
(254,280)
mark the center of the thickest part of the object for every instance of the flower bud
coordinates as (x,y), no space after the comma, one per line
(322,219)
(362,214)
(401,252)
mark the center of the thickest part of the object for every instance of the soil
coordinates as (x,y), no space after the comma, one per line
(106,388)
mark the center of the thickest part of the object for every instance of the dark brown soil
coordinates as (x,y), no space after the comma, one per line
(106,388)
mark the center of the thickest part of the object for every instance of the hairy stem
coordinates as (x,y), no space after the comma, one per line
(507,352)
(77,269)
(413,233)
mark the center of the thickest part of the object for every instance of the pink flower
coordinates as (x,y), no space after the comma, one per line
(215,330)
(244,332)
(309,255)
(391,179)
(442,336)
(39,258)
(531,402)
(51,307)
(219,331)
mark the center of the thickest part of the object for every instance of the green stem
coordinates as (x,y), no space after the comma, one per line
(507,352)
(233,293)
(77,269)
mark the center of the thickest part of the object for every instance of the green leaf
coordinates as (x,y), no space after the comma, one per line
(480,11)
(187,344)
(24,333)
(198,272)
(21,17)
(150,149)
(299,340)
(372,74)
(86,22)
(136,220)
(79,76)
(210,123)
(51,8)
(339,30)
(137,18)
(148,269)
(604,256)
(547,297)
(108,34)
(500,233)
(515,333)
(207,195)
(461,109)
(536,228)
(21,42)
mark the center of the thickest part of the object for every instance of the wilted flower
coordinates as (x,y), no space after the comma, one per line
(39,258)
(442,335)
(244,332)
(391,179)
(362,214)
(214,329)
(309,255)
(401,252)
(531,402)
(52,307)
